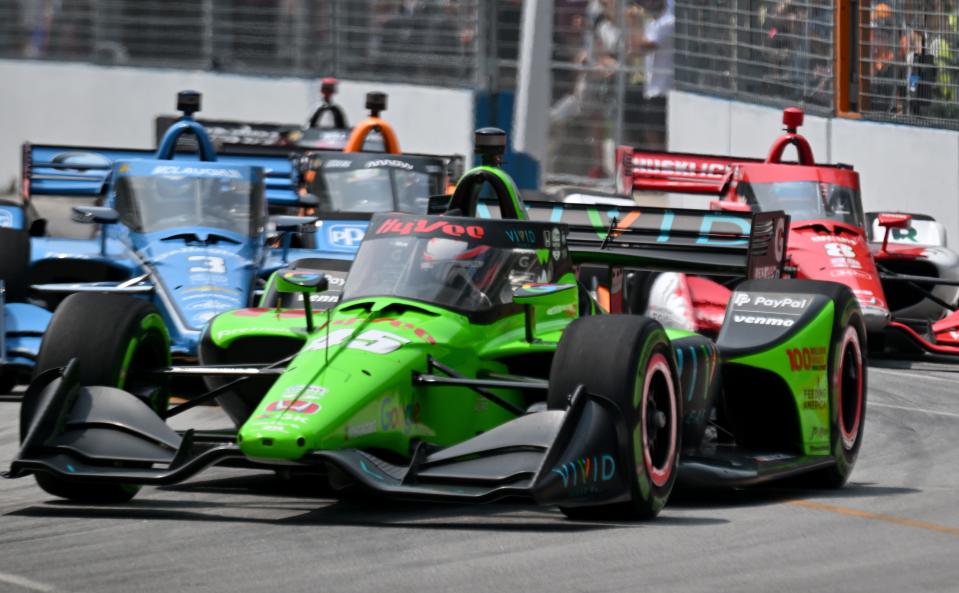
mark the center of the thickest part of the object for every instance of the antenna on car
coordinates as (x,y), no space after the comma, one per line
(490,144)
(188,103)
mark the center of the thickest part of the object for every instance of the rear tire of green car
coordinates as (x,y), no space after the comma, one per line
(847,393)
(116,340)
(628,359)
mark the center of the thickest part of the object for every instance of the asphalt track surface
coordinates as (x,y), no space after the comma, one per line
(895,527)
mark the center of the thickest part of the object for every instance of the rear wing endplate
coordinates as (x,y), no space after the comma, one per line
(674,239)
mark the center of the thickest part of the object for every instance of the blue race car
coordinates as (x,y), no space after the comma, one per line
(187,232)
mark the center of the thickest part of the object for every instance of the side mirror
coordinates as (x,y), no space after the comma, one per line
(891,221)
(294,224)
(287,225)
(541,295)
(98,215)
(308,200)
(894,221)
(95,214)
(729,206)
(306,282)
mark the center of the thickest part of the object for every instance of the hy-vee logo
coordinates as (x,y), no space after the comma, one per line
(407,227)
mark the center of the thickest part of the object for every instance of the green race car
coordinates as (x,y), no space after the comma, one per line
(465,363)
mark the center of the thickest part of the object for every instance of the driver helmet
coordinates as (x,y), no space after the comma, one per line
(444,256)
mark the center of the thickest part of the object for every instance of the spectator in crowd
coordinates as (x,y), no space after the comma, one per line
(654,41)
(36,21)
(920,74)
(424,38)
(582,116)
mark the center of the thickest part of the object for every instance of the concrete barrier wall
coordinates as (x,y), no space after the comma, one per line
(900,167)
(60,103)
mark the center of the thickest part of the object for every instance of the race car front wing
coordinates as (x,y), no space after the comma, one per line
(571,457)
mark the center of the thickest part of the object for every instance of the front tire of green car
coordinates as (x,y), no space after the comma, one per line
(628,359)
(117,341)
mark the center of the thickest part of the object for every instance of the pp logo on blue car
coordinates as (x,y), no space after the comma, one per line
(345,237)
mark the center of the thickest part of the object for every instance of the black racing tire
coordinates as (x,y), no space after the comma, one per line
(628,359)
(14,262)
(847,393)
(113,337)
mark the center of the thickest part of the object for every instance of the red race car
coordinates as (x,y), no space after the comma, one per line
(897,264)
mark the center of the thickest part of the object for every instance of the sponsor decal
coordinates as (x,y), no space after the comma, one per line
(346,236)
(298,407)
(407,227)
(772,457)
(204,251)
(786,302)
(360,429)
(391,416)
(779,239)
(849,273)
(557,244)
(765,272)
(807,359)
(680,167)
(337,164)
(763,320)
(213,279)
(905,235)
(741,298)
(241,331)
(819,432)
(197,171)
(833,239)
(201,318)
(209,304)
(521,236)
(389,163)
(305,391)
(815,399)
(6,219)
(585,473)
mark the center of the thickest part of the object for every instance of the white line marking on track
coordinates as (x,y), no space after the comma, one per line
(926,375)
(911,409)
(25,583)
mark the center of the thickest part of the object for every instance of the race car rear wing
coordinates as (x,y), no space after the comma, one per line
(684,240)
(233,133)
(77,171)
(675,172)
(271,140)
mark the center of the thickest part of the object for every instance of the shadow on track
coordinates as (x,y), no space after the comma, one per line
(775,494)
(307,504)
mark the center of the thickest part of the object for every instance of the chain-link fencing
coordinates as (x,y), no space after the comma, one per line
(910,61)
(776,51)
(429,42)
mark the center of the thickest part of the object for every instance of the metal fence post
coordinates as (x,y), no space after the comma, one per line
(209,22)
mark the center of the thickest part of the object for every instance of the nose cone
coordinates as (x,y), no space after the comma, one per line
(272,442)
